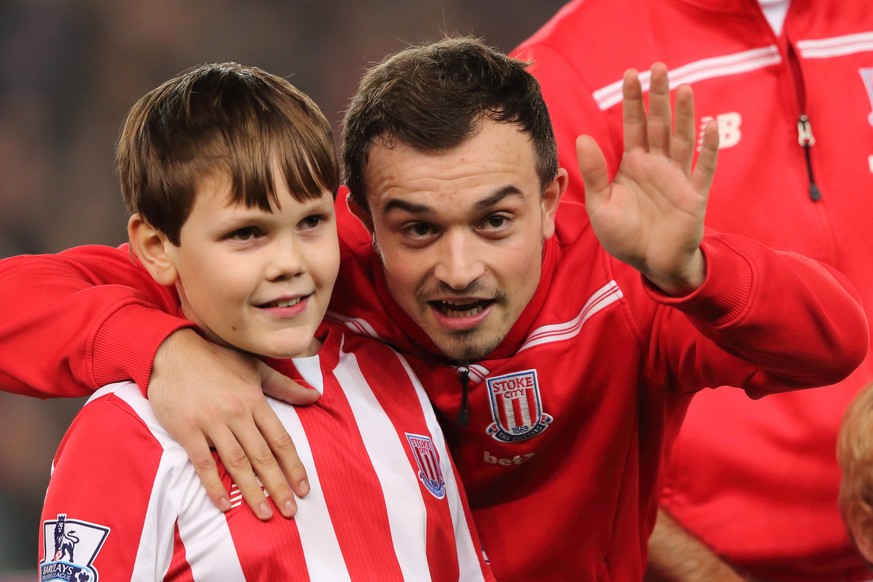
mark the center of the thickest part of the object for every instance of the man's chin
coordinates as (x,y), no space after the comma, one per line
(464,349)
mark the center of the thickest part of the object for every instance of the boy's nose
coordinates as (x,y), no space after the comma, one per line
(286,261)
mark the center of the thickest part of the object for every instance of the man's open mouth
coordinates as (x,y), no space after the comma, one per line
(461,308)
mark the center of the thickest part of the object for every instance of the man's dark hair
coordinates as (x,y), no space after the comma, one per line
(226,118)
(432,97)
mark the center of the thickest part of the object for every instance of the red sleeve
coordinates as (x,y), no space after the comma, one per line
(97,505)
(798,321)
(80,319)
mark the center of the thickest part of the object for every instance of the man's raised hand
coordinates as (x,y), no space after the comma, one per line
(651,214)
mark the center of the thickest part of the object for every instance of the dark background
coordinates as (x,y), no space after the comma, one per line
(69,70)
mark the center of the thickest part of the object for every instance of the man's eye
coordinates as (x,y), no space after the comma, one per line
(420,229)
(496,221)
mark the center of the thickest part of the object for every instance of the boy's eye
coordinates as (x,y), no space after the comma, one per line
(312,221)
(245,233)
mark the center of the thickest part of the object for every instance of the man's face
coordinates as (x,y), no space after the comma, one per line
(256,280)
(460,234)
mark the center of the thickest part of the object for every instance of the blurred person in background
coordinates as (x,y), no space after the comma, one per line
(855,455)
(751,490)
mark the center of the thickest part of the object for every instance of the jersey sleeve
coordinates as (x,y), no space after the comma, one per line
(80,319)
(798,322)
(99,511)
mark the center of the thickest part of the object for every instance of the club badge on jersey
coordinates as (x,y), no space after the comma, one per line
(69,548)
(516,407)
(429,472)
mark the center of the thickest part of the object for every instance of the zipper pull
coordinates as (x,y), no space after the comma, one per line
(464,377)
(807,140)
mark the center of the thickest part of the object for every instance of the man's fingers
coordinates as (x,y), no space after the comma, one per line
(283,454)
(272,465)
(659,124)
(237,464)
(684,130)
(704,169)
(633,112)
(282,388)
(207,470)
(202,392)
(592,165)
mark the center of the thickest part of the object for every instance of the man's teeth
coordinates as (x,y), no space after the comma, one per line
(457,309)
(285,303)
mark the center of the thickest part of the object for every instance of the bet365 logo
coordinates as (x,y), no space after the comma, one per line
(729,133)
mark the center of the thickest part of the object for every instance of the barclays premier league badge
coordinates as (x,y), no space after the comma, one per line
(69,549)
(516,407)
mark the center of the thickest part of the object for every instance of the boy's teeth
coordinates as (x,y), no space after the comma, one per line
(287,303)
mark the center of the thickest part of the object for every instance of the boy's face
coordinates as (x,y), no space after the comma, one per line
(256,280)
(460,234)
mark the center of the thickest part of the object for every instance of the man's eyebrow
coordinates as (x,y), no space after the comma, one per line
(406,206)
(484,204)
(498,196)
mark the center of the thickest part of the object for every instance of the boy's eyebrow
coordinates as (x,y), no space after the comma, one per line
(483,204)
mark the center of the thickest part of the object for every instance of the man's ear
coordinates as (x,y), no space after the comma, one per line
(150,247)
(360,212)
(550,199)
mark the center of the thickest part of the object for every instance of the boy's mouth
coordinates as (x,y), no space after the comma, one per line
(279,303)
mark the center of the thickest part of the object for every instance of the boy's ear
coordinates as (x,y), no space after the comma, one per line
(361,213)
(150,247)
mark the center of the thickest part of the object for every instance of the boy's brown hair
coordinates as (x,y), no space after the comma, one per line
(433,96)
(222,118)
(855,455)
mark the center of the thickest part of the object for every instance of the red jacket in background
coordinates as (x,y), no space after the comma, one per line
(756,481)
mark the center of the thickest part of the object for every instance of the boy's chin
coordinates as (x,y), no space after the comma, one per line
(294,351)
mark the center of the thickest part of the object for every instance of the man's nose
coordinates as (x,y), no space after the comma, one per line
(459,262)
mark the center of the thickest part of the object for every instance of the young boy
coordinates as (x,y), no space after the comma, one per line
(229,173)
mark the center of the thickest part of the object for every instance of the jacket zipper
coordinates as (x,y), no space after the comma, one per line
(804,126)
(464,377)
(807,140)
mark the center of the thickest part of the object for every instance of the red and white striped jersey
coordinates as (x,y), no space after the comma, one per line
(124,502)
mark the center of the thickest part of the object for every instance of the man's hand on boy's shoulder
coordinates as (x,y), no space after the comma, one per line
(207,396)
